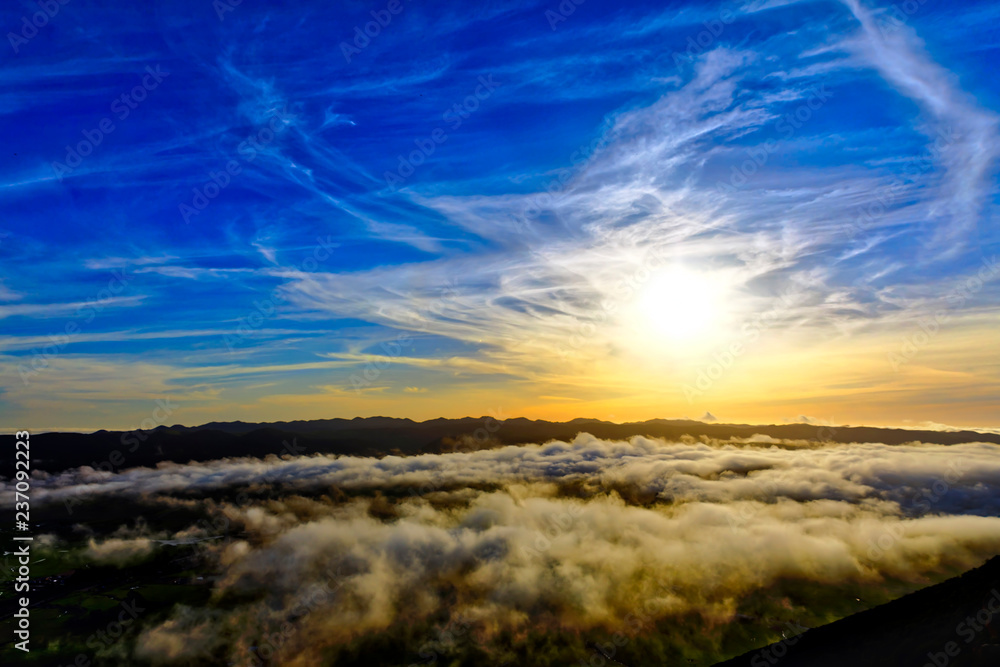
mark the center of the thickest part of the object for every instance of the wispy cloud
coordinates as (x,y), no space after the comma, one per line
(966,132)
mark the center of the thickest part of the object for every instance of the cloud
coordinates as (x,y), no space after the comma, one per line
(559,537)
(966,135)
(516,558)
(649,186)
(118,551)
(759,469)
(68,310)
(333,119)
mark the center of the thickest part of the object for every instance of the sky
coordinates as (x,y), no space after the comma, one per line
(755,211)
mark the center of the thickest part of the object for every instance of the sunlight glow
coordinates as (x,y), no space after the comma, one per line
(682,306)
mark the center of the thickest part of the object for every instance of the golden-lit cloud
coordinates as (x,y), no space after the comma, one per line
(562,536)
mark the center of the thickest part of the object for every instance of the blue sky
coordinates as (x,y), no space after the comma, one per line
(830,164)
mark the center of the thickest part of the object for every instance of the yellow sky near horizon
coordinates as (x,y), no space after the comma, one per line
(870,377)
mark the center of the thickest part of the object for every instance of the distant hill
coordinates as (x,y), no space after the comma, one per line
(930,627)
(381,436)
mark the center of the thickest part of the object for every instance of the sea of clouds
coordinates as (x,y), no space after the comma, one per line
(578,536)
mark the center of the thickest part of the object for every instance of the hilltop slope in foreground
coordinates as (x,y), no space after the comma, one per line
(951,624)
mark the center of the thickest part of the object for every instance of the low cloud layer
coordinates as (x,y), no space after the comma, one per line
(962,478)
(644,538)
(118,551)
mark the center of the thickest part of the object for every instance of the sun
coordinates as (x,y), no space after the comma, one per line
(679,305)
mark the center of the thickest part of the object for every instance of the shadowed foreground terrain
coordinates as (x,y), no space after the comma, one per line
(956,622)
